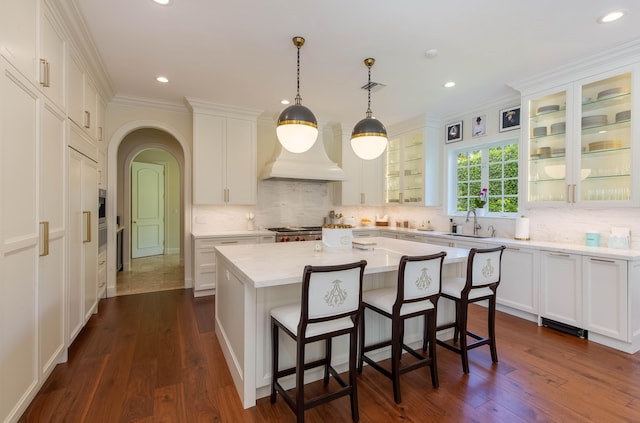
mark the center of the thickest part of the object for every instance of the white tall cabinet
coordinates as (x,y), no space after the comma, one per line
(32,240)
(20,242)
(83,240)
(40,256)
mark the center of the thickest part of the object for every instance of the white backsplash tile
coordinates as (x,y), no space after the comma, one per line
(306,203)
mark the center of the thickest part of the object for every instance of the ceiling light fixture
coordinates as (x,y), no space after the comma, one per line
(162,2)
(162,79)
(297,128)
(449,84)
(369,136)
(610,17)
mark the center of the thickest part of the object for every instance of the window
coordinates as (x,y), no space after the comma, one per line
(494,167)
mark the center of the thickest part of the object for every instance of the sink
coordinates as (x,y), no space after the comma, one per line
(470,236)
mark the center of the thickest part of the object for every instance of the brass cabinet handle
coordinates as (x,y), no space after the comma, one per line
(45,79)
(87,119)
(44,238)
(362,199)
(601,260)
(87,217)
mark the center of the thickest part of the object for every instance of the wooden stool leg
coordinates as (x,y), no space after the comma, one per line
(431,317)
(353,343)
(462,324)
(492,329)
(327,357)
(396,352)
(274,359)
(456,329)
(300,381)
(361,341)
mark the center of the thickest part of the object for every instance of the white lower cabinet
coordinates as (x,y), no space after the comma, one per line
(605,296)
(366,233)
(204,258)
(561,287)
(519,283)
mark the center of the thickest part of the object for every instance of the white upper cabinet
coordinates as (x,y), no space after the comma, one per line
(51,58)
(224,154)
(579,144)
(363,183)
(18,23)
(413,163)
(85,104)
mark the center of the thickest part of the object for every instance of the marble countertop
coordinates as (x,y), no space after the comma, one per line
(230,233)
(267,265)
(604,252)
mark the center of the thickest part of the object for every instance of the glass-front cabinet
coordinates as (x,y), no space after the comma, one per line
(580,143)
(404,169)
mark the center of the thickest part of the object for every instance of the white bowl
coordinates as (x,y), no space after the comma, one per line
(555,171)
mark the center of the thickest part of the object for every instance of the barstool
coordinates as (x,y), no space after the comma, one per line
(483,277)
(331,306)
(416,294)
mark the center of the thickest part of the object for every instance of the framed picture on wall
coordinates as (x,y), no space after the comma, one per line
(454,132)
(510,119)
(479,126)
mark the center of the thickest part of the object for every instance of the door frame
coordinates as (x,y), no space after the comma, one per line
(165,184)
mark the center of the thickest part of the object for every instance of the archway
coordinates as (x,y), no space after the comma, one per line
(126,143)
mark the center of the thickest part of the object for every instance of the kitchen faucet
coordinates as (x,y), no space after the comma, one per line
(476,226)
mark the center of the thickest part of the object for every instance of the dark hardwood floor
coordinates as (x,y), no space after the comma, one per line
(155,358)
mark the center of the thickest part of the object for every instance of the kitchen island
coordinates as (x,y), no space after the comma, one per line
(253,279)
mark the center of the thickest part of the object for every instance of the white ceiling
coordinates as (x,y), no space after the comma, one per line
(239,52)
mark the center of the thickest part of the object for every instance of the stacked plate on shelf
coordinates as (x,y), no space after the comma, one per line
(595,120)
(549,108)
(604,145)
(622,116)
(540,131)
(611,92)
(558,128)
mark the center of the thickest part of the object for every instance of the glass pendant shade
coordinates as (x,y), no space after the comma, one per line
(369,138)
(297,128)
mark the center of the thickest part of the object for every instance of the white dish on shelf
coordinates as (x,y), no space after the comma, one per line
(611,92)
(560,171)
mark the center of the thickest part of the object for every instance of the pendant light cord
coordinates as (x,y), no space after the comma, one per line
(369,95)
(298,98)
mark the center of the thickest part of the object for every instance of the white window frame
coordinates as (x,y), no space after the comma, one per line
(452,165)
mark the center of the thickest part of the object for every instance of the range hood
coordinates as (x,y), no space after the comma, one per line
(312,165)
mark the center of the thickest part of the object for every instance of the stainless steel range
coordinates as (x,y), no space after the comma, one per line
(297,233)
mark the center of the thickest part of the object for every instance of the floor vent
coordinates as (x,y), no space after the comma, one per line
(562,327)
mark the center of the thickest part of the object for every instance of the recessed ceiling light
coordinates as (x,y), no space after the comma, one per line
(431,53)
(611,16)
(163,2)
(285,102)
(449,84)
(162,79)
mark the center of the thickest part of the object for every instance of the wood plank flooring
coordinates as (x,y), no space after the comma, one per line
(155,358)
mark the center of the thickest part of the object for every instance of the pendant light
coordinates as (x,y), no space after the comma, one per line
(369,136)
(297,128)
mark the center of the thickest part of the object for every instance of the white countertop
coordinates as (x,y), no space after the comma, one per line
(282,263)
(604,252)
(230,233)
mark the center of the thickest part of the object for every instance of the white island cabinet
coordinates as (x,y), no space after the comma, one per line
(253,279)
